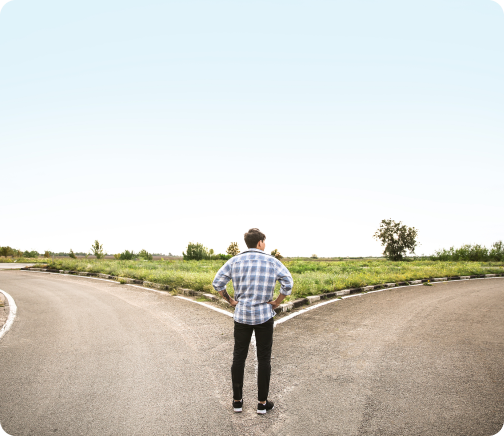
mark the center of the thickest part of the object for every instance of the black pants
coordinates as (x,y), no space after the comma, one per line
(264,342)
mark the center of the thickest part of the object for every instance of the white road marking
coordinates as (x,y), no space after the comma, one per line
(206,305)
(10,319)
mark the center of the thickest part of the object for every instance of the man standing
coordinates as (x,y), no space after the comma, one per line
(254,274)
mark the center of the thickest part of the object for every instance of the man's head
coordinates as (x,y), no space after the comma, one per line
(254,238)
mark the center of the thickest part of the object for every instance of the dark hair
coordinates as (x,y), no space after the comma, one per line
(253,236)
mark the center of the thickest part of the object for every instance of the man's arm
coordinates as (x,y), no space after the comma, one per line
(286,284)
(230,300)
(221,280)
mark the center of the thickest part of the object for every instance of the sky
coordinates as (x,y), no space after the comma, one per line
(148,125)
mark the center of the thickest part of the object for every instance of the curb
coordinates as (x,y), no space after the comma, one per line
(286,307)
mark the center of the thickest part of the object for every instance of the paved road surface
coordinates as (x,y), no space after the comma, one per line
(14,265)
(87,357)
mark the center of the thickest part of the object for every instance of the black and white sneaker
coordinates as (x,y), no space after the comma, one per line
(238,405)
(263,408)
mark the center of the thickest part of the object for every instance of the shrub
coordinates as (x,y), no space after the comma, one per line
(127,255)
(72,254)
(145,255)
(31,254)
(196,252)
(233,249)
(314,256)
(97,250)
(397,239)
(497,251)
(225,256)
(471,253)
(8,251)
(276,253)
(47,254)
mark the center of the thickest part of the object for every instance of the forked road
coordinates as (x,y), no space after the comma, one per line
(89,357)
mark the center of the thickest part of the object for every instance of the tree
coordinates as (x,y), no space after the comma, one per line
(276,254)
(72,254)
(31,254)
(233,249)
(97,250)
(47,254)
(127,255)
(397,239)
(196,252)
(145,255)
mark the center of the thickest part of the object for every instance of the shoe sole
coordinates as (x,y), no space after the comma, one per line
(263,412)
(238,410)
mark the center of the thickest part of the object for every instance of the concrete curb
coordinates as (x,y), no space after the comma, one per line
(286,307)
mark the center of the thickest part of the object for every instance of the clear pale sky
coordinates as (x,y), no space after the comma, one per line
(151,124)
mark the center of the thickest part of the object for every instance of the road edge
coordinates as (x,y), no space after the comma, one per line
(12,314)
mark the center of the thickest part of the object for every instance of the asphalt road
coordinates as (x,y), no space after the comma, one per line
(14,265)
(88,357)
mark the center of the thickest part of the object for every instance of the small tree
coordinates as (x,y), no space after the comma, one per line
(397,239)
(233,249)
(127,255)
(314,256)
(47,254)
(145,255)
(195,252)
(97,250)
(276,254)
(72,254)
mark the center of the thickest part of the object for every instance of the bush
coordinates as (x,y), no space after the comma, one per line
(8,251)
(397,239)
(127,255)
(31,253)
(47,254)
(145,255)
(196,252)
(224,256)
(471,253)
(72,254)
(497,251)
(275,253)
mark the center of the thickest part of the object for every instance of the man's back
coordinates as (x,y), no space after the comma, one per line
(254,274)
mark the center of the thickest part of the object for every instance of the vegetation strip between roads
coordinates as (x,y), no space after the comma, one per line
(10,318)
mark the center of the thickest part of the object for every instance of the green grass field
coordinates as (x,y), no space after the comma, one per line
(310,278)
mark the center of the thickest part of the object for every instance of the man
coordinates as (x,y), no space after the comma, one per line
(254,274)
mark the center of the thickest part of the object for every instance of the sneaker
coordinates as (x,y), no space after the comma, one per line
(263,408)
(238,405)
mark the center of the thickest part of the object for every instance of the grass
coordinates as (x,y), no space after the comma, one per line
(310,278)
(23,259)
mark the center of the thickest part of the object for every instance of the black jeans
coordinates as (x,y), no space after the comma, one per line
(264,342)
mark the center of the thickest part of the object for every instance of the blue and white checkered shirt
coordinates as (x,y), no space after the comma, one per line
(254,274)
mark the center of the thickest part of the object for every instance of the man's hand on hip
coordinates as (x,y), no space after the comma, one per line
(276,303)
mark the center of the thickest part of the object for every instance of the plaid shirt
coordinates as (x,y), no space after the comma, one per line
(254,274)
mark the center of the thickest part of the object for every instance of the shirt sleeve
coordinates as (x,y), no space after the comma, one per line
(285,279)
(222,277)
